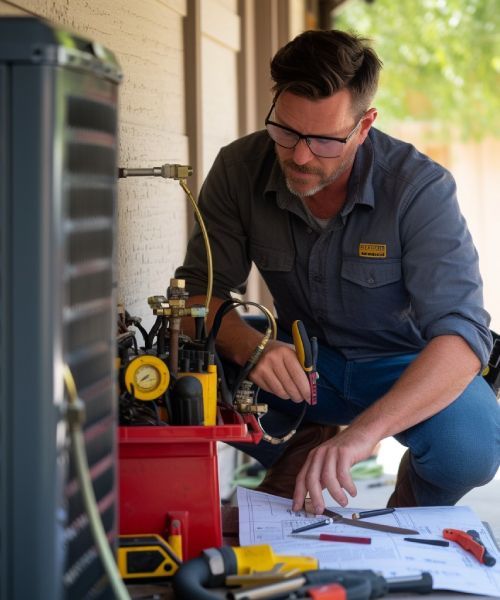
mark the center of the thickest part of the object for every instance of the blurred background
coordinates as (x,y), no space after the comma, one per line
(196,76)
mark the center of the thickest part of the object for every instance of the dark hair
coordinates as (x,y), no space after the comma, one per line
(317,64)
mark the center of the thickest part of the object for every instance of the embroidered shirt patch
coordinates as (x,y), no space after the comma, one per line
(373,250)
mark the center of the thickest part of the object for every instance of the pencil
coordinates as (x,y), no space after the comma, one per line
(312,525)
(372,513)
(330,537)
(443,543)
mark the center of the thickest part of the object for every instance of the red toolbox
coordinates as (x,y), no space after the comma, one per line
(171,472)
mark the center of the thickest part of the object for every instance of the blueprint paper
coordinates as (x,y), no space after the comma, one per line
(267,519)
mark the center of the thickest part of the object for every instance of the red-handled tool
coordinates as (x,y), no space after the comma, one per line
(470,541)
(331,591)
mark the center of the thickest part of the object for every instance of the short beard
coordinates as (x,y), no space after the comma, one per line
(325,180)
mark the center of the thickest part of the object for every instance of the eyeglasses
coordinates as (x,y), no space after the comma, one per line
(320,145)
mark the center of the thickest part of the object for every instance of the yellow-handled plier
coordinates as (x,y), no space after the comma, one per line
(307,353)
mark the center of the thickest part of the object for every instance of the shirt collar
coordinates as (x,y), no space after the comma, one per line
(276,184)
(360,187)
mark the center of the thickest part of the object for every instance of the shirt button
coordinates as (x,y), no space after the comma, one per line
(371,280)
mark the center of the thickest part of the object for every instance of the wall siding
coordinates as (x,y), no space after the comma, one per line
(147,38)
(220,43)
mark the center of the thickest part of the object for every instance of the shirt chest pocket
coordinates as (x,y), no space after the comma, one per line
(373,293)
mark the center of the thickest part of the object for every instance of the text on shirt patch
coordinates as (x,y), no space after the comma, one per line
(373,250)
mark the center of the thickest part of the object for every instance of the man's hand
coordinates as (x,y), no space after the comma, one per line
(429,384)
(279,372)
(329,466)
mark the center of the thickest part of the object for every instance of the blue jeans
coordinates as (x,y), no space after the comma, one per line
(452,452)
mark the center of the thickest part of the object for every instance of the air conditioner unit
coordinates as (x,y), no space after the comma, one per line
(58,143)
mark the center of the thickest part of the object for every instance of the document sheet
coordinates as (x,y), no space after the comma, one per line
(267,519)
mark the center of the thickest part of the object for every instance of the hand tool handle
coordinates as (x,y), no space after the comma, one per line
(365,514)
(488,560)
(419,584)
(471,544)
(380,586)
(302,345)
(314,350)
(312,376)
(328,591)
(356,585)
(277,589)
(330,537)
(307,353)
(321,523)
(442,543)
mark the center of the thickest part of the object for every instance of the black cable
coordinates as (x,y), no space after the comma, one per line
(223,309)
(199,326)
(160,338)
(223,386)
(129,320)
(190,580)
(136,347)
(153,332)
(281,438)
(144,333)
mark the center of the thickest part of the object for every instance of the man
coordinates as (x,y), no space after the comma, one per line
(359,236)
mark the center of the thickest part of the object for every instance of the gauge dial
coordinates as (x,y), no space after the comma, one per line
(147,377)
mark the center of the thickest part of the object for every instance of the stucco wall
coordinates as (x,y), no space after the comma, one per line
(147,38)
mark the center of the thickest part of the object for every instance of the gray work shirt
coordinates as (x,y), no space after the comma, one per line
(396,268)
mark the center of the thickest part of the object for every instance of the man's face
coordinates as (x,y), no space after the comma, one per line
(306,173)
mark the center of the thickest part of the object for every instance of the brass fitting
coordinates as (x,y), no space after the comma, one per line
(166,171)
(256,409)
(176,171)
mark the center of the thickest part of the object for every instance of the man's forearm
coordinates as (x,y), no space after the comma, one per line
(432,382)
(278,370)
(236,340)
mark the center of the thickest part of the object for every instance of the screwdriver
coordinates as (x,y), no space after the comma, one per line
(307,353)
(360,584)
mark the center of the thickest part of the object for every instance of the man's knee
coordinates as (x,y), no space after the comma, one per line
(459,459)
(462,443)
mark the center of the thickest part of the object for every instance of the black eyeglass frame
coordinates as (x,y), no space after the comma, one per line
(307,136)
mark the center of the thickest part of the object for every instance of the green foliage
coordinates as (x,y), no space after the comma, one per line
(441,61)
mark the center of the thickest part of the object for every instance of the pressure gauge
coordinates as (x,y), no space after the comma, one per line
(149,377)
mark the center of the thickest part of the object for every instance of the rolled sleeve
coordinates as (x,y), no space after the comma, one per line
(441,266)
(479,338)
